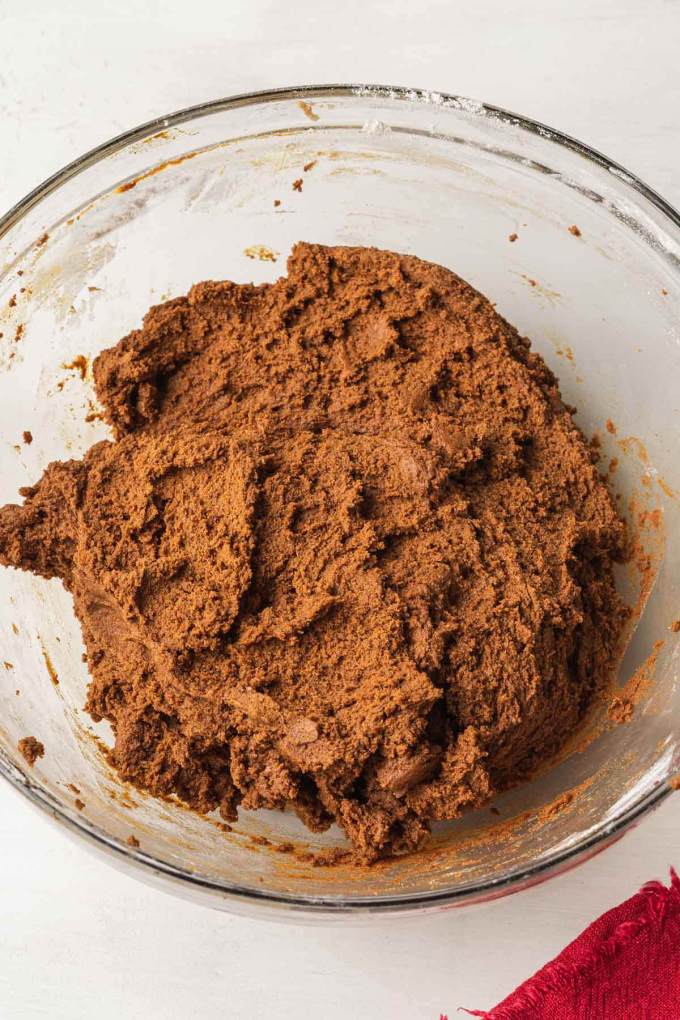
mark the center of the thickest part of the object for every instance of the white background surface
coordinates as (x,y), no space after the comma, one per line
(78,939)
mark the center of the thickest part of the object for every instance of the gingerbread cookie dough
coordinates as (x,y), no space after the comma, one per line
(31,749)
(348,551)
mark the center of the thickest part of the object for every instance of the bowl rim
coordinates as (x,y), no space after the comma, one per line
(597,838)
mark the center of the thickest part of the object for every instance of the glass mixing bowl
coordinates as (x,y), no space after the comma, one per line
(194,196)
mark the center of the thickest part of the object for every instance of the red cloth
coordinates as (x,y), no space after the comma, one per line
(625,966)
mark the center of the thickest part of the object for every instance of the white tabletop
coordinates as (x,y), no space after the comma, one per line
(77,938)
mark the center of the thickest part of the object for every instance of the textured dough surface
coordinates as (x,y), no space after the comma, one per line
(348,552)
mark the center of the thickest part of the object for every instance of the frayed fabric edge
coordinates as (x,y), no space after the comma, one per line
(557,976)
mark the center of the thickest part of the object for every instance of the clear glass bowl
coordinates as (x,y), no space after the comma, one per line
(191,197)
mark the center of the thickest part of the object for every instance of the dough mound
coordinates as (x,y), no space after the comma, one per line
(348,552)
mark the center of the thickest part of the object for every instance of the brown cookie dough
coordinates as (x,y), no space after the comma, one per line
(348,552)
(31,749)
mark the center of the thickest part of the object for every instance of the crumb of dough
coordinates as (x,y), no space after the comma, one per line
(79,364)
(31,749)
(620,710)
(308,110)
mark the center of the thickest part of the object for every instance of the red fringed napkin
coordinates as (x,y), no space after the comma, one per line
(626,965)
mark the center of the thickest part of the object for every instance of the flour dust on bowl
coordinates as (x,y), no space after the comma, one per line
(223,192)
